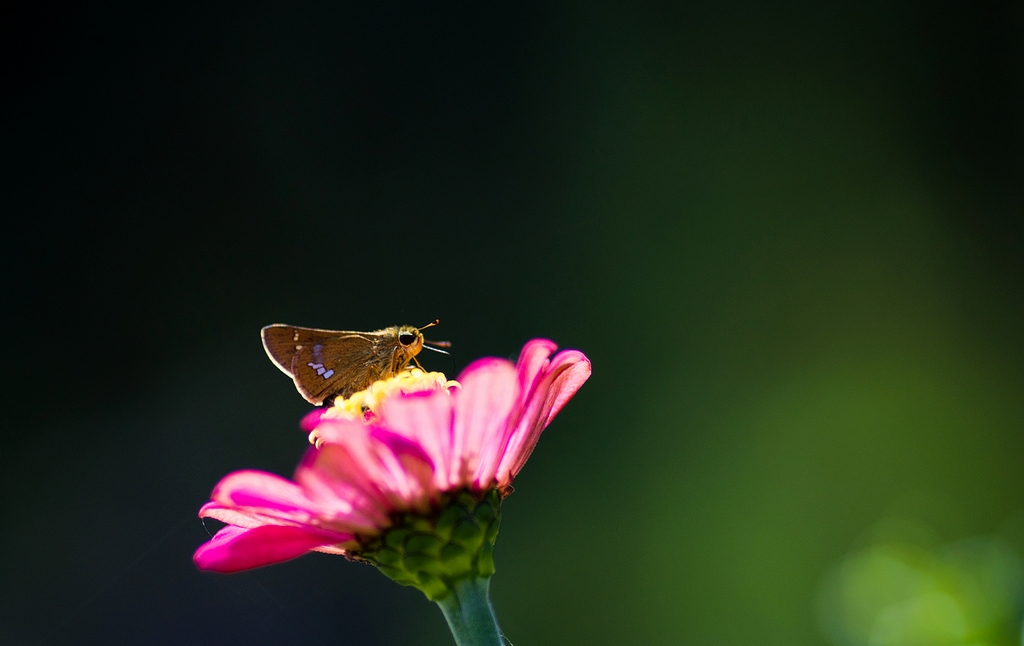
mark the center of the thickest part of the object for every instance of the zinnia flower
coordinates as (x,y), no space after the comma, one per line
(408,475)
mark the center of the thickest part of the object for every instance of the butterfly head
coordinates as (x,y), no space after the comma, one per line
(410,340)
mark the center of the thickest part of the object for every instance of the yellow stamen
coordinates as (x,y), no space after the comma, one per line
(364,404)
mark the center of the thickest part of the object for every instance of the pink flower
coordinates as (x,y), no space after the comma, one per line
(414,453)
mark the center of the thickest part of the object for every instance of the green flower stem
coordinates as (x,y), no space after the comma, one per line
(469,613)
(448,555)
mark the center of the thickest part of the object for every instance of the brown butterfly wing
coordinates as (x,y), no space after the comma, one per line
(323,363)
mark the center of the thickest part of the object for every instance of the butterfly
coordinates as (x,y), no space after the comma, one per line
(328,363)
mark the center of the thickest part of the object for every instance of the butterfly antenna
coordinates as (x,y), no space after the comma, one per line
(436,344)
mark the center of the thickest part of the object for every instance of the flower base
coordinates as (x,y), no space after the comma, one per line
(436,553)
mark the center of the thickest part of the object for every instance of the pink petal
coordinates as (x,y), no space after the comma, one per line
(553,387)
(312,418)
(573,369)
(370,460)
(410,471)
(489,392)
(373,470)
(264,492)
(330,549)
(400,445)
(336,429)
(234,549)
(424,418)
(340,478)
(232,516)
(532,360)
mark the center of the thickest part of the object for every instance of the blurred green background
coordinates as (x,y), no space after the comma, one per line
(788,235)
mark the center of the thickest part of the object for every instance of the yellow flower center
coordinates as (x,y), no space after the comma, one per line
(364,404)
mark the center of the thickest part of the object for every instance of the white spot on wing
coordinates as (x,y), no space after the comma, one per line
(320,370)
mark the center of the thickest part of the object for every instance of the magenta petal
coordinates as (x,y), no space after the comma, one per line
(234,549)
(424,418)
(400,445)
(554,386)
(338,430)
(482,409)
(572,368)
(348,456)
(312,418)
(342,478)
(532,360)
(409,470)
(267,492)
(233,516)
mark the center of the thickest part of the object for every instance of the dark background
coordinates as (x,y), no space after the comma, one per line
(788,236)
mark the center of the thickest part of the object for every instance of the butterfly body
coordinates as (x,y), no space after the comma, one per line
(327,363)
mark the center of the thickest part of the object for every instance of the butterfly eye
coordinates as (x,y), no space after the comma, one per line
(405,338)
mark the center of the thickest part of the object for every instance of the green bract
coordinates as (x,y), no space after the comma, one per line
(434,553)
